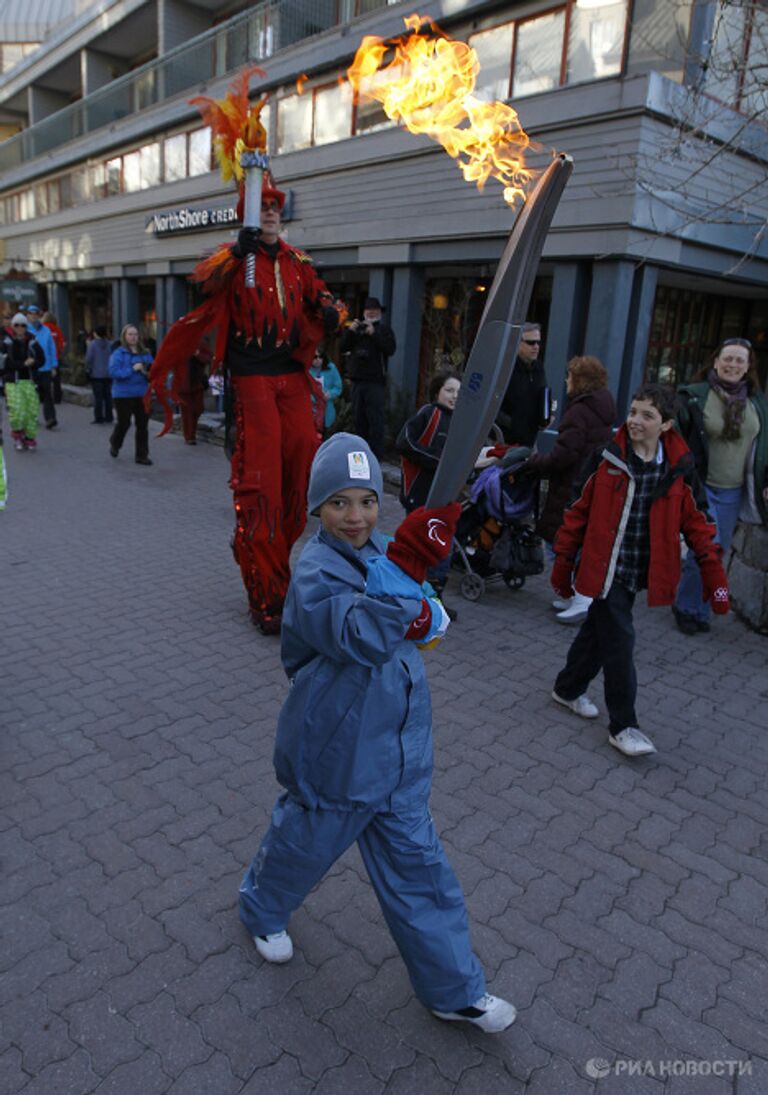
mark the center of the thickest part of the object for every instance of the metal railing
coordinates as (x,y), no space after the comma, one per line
(251,36)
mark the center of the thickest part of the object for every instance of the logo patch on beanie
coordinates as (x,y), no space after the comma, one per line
(359,467)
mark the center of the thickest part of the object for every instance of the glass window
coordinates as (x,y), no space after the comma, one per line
(370,116)
(595,41)
(99,180)
(113,175)
(725,59)
(175,156)
(54,196)
(65,192)
(494,52)
(538,54)
(333,113)
(26,205)
(659,37)
(200,151)
(294,123)
(754,98)
(150,165)
(41,200)
(132,172)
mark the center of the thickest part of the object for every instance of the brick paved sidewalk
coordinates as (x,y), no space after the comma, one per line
(620,904)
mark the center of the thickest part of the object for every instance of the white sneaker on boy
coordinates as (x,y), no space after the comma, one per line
(576,610)
(632,742)
(490,1013)
(277,947)
(581,706)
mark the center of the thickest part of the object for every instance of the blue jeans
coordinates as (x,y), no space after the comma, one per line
(724,505)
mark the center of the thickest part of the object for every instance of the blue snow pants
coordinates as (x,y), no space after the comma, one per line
(417,889)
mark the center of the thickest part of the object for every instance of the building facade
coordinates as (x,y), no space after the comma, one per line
(109,195)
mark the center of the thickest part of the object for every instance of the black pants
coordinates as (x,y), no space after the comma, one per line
(606,640)
(102,399)
(369,401)
(124,408)
(45,391)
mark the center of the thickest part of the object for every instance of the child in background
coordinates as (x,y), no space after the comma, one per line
(639,494)
(354,737)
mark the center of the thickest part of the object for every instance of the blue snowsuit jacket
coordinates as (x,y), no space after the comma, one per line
(356,727)
(127,384)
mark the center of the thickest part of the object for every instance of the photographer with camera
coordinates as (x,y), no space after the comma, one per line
(369,342)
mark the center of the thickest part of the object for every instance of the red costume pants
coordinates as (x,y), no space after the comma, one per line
(276,441)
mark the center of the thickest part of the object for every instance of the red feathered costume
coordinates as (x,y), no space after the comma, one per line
(267,336)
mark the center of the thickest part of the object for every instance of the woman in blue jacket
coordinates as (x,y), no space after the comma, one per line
(129,366)
(324,371)
(354,737)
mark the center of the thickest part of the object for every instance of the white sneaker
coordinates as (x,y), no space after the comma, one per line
(274,948)
(576,611)
(490,1013)
(561,603)
(581,706)
(632,742)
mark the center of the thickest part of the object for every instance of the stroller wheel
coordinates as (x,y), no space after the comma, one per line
(513,581)
(472,587)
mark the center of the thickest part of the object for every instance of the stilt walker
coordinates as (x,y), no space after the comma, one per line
(271,310)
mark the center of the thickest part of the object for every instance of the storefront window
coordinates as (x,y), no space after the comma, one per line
(294,123)
(687,328)
(595,40)
(333,113)
(27,205)
(538,54)
(370,116)
(494,52)
(54,197)
(80,187)
(200,151)
(41,200)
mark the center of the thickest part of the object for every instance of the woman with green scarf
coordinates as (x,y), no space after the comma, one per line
(724,419)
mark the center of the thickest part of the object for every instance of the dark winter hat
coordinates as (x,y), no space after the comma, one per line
(373,302)
(32,308)
(342,461)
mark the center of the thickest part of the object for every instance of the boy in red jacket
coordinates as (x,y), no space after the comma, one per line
(639,494)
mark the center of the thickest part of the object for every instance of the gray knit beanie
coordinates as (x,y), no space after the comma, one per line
(342,461)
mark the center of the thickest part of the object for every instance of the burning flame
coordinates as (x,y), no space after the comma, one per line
(428,85)
(300,82)
(235,123)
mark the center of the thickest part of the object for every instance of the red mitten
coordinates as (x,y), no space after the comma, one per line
(424,539)
(561,578)
(715,583)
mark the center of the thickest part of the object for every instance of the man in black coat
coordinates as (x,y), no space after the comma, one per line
(369,342)
(523,411)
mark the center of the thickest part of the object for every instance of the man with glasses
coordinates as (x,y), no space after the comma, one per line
(525,406)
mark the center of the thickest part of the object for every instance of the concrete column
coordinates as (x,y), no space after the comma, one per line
(58,297)
(41,103)
(405,317)
(380,285)
(125,304)
(177,22)
(638,333)
(608,319)
(564,336)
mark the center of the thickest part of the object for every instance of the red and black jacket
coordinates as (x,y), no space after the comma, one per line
(595,522)
(420,444)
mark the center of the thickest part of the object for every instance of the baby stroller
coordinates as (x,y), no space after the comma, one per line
(494,539)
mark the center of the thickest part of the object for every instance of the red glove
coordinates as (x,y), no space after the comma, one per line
(561,578)
(424,539)
(715,583)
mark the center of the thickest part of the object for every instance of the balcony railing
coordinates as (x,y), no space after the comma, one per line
(249,37)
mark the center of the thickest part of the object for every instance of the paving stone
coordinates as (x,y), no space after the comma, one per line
(40,1036)
(214,1075)
(12,1076)
(32,970)
(242,1038)
(351,1078)
(175,1039)
(71,1077)
(150,976)
(108,1038)
(559,1078)
(315,1044)
(144,1076)
(284,1076)
(491,1078)
(421,1076)
(376,1042)
(332,984)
